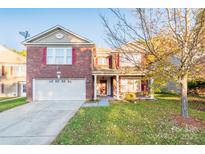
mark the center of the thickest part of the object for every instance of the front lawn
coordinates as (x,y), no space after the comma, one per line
(147,122)
(5,105)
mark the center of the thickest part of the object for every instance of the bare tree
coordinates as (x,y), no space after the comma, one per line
(172,40)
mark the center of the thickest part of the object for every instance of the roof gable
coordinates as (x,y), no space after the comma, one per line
(57,35)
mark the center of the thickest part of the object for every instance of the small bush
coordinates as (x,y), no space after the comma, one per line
(196,84)
(130,96)
(196,87)
(157,90)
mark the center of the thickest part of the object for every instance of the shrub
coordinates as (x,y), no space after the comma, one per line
(130,96)
(196,84)
(157,90)
(196,87)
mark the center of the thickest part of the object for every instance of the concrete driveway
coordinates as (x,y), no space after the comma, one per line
(36,123)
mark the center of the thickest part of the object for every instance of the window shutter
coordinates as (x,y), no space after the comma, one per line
(96,61)
(117,61)
(11,69)
(73,55)
(110,61)
(44,56)
(3,71)
(2,88)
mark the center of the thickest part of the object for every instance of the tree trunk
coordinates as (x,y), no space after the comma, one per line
(184,99)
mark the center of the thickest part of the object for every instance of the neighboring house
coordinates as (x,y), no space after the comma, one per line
(12,73)
(62,65)
(172,86)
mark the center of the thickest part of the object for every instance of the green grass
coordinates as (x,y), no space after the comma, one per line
(147,122)
(5,105)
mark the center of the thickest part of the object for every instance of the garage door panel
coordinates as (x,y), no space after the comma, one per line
(64,89)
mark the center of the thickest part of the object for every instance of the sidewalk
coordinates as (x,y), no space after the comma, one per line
(104,101)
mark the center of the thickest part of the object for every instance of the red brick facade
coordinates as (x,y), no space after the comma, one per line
(81,67)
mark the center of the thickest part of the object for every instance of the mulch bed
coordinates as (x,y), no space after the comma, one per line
(184,122)
(201,108)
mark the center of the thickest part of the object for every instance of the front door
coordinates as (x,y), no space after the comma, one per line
(103,87)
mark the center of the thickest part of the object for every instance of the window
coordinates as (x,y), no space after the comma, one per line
(19,70)
(130,59)
(102,60)
(59,56)
(50,56)
(69,56)
(130,85)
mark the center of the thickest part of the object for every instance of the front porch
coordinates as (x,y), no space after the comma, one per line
(117,85)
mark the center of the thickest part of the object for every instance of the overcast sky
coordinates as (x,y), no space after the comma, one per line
(85,22)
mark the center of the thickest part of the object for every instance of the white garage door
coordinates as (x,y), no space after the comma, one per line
(59,89)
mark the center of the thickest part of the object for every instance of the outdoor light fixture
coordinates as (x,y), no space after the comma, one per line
(58,74)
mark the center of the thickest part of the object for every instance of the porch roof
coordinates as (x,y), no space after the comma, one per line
(118,72)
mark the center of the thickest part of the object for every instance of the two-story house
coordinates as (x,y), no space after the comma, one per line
(62,65)
(12,73)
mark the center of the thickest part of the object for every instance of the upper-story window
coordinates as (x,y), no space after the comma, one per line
(131,59)
(59,56)
(102,61)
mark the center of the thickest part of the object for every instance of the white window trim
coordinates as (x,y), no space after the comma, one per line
(124,61)
(54,56)
(138,89)
(105,61)
(19,70)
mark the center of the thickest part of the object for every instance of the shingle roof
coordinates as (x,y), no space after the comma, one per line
(7,56)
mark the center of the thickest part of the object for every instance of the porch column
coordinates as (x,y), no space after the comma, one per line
(95,87)
(117,86)
(151,89)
